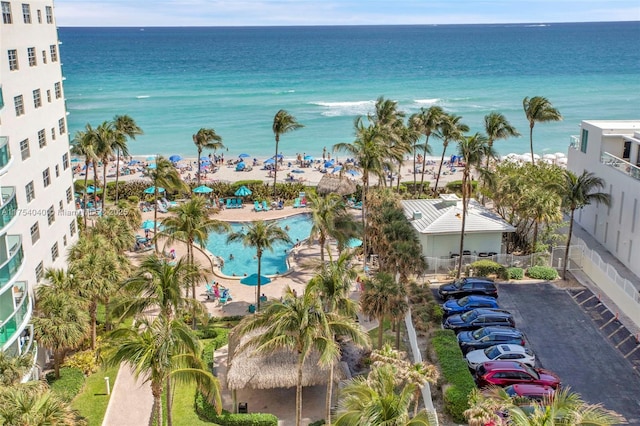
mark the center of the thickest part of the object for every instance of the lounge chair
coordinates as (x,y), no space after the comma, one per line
(257,206)
(265,206)
(296,203)
(209,291)
(232,203)
(303,202)
(229,203)
(240,203)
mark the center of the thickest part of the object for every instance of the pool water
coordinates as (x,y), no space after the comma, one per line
(244,258)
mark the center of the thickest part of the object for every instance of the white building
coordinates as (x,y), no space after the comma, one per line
(611,150)
(37,210)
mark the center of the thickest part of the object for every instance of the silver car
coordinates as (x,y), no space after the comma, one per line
(501,353)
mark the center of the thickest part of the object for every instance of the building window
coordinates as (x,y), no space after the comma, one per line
(19,104)
(26,13)
(35,233)
(42,138)
(54,53)
(31,193)
(60,206)
(13,59)
(65,161)
(69,195)
(24,149)
(54,252)
(49,96)
(584,140)
(58,173)
(58,89)
(51,215)
(6,13)
(37,98)
(44,56)
(72,228)
(39,16)
(31,54)
(53,133)
(46,177)
(64,240)
(48,11)
(40,271)
(61,127)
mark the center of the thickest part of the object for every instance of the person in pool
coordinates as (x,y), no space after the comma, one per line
(231,256)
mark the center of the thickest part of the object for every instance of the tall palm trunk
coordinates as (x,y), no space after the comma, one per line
(415,178)
(444,150)
(380,330)
(365,185)
(155,216)
(327,407)
(484,179)
(566,251)
(398,322)
(533,160)
(400,164)
(169,402)
(465,179)
(299,392)
(156,412)
(535,236)
(117,175)
(57,360)
(191,260)
(424,164)
(198,160)
(259,255)
(275,167)
(84,196)
(105,163)
(93,308)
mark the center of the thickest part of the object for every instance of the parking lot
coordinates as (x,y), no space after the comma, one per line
(567,341)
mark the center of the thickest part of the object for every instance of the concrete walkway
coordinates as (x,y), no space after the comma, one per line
(131,401)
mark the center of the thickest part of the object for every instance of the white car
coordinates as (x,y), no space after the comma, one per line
(501,353)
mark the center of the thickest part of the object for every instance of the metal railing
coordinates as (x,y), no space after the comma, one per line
(623,166)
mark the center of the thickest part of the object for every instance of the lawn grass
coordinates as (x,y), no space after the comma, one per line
(92,401)
(184,413)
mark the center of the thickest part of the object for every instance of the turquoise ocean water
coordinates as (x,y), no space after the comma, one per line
(173,81)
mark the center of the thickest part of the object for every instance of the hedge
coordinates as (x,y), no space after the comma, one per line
(456,373)
(486,267)
(207,411)
(68,385)
(546,273)
(514,274)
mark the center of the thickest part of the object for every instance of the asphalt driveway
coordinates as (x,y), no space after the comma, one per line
(567,341)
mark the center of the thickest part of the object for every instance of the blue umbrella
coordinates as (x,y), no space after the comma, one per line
(152,189)
(151,166)
(202,189)
(353,173)
(133,163)
(354,242)
(148,224)
(329,163)
(204,158)
(243,155)
(253,280)
(269,161)
(308,158)
(336,169)
(243,191)
(151,158)
(175,158)
(91,189)
(75,160)
(279,156)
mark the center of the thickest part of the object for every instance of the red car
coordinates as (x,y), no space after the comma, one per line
(525,390)
(505,373)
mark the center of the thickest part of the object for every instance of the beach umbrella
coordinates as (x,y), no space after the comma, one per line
(202,189)
(336,169)
(549,157)
(243,191)
(151,158)
(308,158)
(560,155)
(175,158)
(91,189)
(329,163)
(133,163)
(269,161)
(253,280)
(148,224)
(279,156)
(244,155)
(562,161)
(151,166)
(353,243)
(536,157)
(353,172)
(204,158)
(75,160)
(152,189)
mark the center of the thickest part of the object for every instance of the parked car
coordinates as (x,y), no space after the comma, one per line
(477,318)
(467,303)
(488,336)
(501,353)
(505,373)
(531,391)
(467,286)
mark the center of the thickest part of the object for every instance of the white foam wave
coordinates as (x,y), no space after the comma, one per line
(337,109)
(285,91)
(427,101)
(143,97)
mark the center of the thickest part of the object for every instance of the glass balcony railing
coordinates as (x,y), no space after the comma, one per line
(621,165)
(13,323)
(9,205)
(5,155)
(14,260)
(574,141)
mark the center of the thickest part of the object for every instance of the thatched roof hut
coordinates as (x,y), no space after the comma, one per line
(250,369)
(339,184)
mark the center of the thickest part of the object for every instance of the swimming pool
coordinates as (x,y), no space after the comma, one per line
(244,258)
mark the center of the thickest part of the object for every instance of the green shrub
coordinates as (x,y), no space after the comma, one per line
(85,361)
(68,385)
(206,410)
(542,273)
(486,267)
(456,186)
(513,273)
(455,372)
(318,423)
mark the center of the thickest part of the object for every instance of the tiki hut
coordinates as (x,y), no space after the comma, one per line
(250,369)
(337,184)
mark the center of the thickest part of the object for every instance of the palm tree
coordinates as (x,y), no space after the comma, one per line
(61,321)
(261,236)
(378,399)
(329,217)
(163,176)
(209,139)
(105,137)
(577,192)
(83,144)
(124,127)
(450,129)
(34,404)
(116,231)
(427,121)
(162,350)
(190,223)
(14,368)
(538,109)
(544,207)
(496,126)
(380,296)
(332,283)
(301,325)
(283,122)
(157,284)
(472,149)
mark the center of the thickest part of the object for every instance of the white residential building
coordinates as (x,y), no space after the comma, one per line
(37,210)
(611,150)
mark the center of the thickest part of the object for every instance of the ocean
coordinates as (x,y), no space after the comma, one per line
(174,81)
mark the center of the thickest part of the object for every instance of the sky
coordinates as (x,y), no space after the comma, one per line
(141,13)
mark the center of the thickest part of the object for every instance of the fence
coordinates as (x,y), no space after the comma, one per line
(448,266)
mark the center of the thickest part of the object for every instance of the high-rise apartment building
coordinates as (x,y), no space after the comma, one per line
(37,209)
